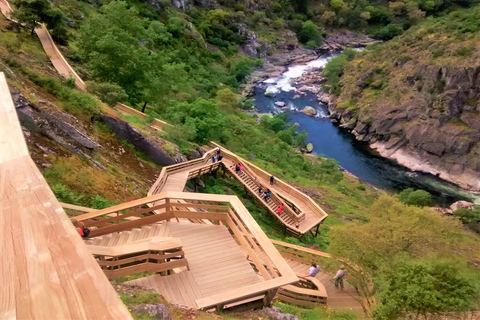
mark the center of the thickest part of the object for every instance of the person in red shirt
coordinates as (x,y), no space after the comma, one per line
(280,209)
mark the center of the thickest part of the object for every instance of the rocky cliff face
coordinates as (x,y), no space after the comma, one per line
(435,129)
(416,99)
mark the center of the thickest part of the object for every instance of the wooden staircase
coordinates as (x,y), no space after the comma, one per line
(124,237)
(253,186)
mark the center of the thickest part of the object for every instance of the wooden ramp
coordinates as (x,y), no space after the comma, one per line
(46,270)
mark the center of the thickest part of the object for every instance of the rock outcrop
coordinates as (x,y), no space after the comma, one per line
(158,150)
(435,130)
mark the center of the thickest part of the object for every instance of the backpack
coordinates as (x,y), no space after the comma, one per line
(86,232)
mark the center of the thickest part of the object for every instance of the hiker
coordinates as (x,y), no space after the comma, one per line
(280,209)
(269,194)
(219,157)
(81,229)
(237,168)
(313,271)
(213,159)
(260,190)
(271,180)
(218,152)
(265,196)
(240,166)
(341,273)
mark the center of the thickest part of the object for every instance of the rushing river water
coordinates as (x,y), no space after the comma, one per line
(333,142)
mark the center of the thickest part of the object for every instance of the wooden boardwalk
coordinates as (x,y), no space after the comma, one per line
(346,299)
(217,263)
(46,270)
(58,60)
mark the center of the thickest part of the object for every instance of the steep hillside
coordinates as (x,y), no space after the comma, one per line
(416,97)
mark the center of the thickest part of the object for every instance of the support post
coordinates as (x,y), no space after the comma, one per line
(285,231)
(316,232)
(219,308)
(205,179)
(195,184)
(268,298)
(168,208)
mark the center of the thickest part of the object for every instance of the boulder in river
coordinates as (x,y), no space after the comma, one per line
(270,92)
(309,111)
(297,96)
(280,104)
(462,205)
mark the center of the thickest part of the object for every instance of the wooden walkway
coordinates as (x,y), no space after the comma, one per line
(58,60)
(346,299)
(217,263)
(46,271)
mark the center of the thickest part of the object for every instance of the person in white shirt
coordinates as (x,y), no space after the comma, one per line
(339,277)
(312,272)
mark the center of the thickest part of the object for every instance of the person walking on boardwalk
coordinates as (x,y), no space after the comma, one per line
(260,190)
(341,273)
(280,209)
(265,195)
(271,180)
(269,194)
(213,159)
(313,271)
(240,166)
(81,229)
(237,168)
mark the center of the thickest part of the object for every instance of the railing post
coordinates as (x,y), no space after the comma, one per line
(316,232)
(167,208)
(269,295)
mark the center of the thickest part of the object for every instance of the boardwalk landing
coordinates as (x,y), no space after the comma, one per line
(215,260)
(45,271)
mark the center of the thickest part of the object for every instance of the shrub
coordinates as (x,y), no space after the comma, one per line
(110,93)
(388,32)
(419,198)
(310,32)
(100,202)
(471,218)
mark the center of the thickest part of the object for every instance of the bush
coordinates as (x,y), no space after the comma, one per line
(99,202)
(419,198)
(310,33)
(388,32)
(471,218)
(333,71)
(64,194)
(110,93)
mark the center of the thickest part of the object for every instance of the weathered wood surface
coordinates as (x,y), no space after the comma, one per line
(46,270)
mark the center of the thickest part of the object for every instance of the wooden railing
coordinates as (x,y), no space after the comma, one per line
(219,209)
(149,255)
(156,123)
(292,209)
(274,197)
(299,253)
(285,187)
(182,166)
(302,296)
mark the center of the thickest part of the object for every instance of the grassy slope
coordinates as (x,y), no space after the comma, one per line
(24,55)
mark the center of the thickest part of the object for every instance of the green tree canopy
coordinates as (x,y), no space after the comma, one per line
(427,286)
(31,13)
(419,198)
(310,32)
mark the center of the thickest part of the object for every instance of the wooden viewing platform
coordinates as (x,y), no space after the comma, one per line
(46,271)
(231,262)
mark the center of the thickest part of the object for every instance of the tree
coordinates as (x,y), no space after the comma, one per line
(109,93)
(336,5)
(328,18)
(427,286)
(227,100)
(310,32)
(111,46)
(31,13)
(419,198)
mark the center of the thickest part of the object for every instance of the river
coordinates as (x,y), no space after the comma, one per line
(333,142)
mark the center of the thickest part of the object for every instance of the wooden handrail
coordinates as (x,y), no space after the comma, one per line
(285,186)
(156,254)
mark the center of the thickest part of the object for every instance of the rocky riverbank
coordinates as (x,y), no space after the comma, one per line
(278,63)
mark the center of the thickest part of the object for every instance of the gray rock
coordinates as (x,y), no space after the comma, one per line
(280,104)
(309,111)
(275,313)
(152,149)
(297,96)
(157,311)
